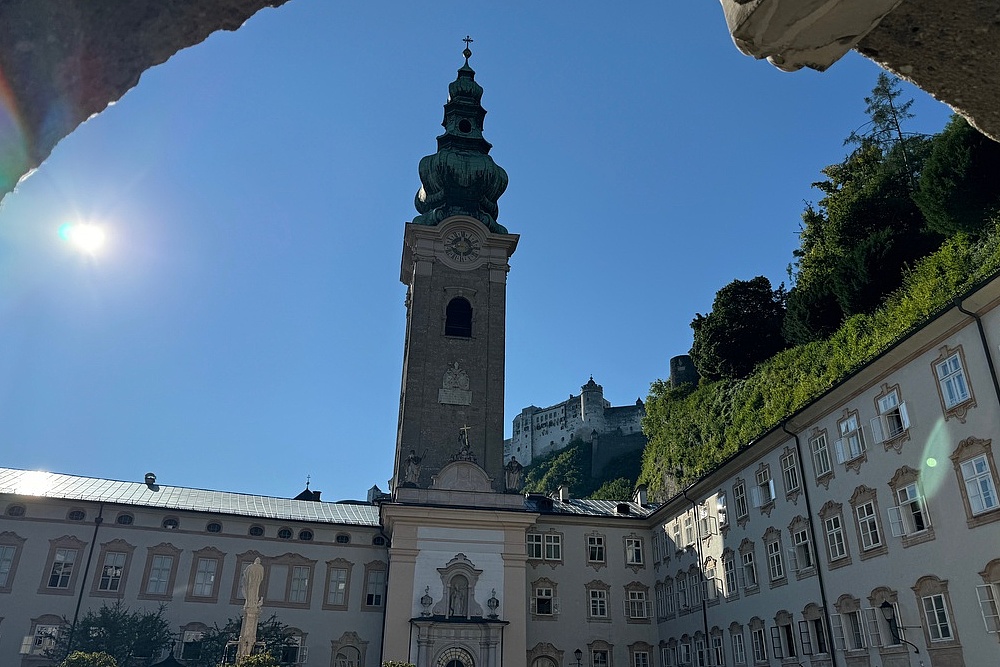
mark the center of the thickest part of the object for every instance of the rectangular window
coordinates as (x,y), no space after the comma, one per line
(633,551)
(759,646)
(700,656)
(740,498)
(835,538)
(937,618)
(852,440)
(803,550)
(6,563)
(720,509)
(678,544)
(909,516)
(684,654)
(729,565)
(719,655)
(62,568)
(763,493)
(668,595)
(299,589)
(892,420)
(204,578)
(739,650)
(640,659)
(951,377)
(338,587)
(989,595)
(688,530)
(159,575)
(543,601)
(820,455)
(775,568)
(534,545)
(749,571)
(375,588)
(637,605)
(682,592)
(111,573)
(599,658)
(598,603)
(656,546)
(44,638)
(789,472)
(979,484)
(868,526)
(553,547)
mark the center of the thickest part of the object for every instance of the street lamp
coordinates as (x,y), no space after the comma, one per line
(889,614)
(579,657)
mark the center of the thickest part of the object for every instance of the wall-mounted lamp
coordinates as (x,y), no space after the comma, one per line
(579,657)
(889,614)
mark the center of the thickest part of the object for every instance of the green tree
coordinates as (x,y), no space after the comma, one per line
(397,663)
(259,660)
(131,638)
(616,489)
(743,329)
(273,640)
(959,188)
(885,125)
(81,659)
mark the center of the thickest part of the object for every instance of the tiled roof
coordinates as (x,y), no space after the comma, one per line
(71,487)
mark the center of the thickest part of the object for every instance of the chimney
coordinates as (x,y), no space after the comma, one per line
(563,493)
(150,479)
(639,495)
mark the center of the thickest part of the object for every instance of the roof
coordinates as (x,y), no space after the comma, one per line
(71,487)
(585,507)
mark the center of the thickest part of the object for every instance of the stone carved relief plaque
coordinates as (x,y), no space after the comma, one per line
(455,387)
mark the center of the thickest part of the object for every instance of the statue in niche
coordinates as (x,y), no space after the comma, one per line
(458,598)
(513,474)
(411,467)
(464,450)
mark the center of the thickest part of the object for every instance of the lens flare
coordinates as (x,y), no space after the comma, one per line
(85,237)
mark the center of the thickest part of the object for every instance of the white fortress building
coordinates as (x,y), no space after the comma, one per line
(540,431)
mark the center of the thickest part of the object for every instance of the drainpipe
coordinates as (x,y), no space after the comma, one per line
(98,520)
(986,346)
(812,534)
(701,567)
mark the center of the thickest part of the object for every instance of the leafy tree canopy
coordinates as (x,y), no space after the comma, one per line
(258,660)
(131,638)
(81,659)
(572,466)
(743,329)
(616,489)
(273,639)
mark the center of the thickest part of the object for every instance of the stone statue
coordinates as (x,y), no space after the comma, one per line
(457,599)
(411,470)
(252,577)
(513,474)
(464,450)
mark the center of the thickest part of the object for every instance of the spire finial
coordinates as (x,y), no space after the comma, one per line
(467,52)
(308,478)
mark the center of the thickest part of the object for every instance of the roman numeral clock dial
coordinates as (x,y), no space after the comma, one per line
(462,246)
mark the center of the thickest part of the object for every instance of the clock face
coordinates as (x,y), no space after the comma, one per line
(462,246)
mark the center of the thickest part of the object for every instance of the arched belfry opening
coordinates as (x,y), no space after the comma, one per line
(458,318)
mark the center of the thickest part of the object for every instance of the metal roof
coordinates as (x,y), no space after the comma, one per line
(71,487)
(586,507)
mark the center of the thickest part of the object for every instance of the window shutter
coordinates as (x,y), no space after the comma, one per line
(776,642)
(837,625)
(793,560)
(924,512)
(555,606)
(804,638)
(896,521)
(26,644)
(904,416)
(988,606)
(303,653)
(879,429)
(755,498)
(838,447)
(874,632)
(770,490)
(534,605)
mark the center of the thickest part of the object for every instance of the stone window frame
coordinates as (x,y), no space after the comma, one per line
(243,561)
(190,633)
(875,619)
(763,493)
(791,471)
(740,501)
(783,643)
(469,295)
(773,552)
(677,536)
(862,497)
(543,583)
(796,527)
(722,511)
(11,539)
(55,623)
(370,567)
(170,522)
(736,631)
(991,596)
(351,640)
(696,582)
(815,619)
(849,460)
(847,607)
(905,477)
(716,646)
(683,597)
(891,441)
(161,549)
(15,511)
(337,564)
(968,449)
(543,544)
(929,586)
(205,553)
(638,648)
(729,557)
(712,591)
(747,547)
(822,478)
(116,545)
(628,602)
(685,650)
(633,544)
(64,542)
(960,410)
(79,512)
(668,594)
(601,645)
(757,626)
(835,510)
(598,585)
(290,561)
(125,519)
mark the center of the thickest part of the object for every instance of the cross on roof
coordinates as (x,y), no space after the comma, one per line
(468,40)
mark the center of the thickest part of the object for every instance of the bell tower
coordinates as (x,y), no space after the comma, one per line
(454,265)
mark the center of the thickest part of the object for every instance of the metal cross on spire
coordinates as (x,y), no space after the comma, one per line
(467,52)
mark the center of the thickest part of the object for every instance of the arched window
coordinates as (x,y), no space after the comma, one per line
(348,657)
(458,318)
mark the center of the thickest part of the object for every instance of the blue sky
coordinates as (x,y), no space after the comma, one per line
(242,328)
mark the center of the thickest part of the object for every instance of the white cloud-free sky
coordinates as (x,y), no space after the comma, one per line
(242,326)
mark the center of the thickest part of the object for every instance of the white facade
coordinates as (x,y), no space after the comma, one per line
(540,431)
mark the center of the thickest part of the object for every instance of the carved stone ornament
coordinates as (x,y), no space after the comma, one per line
(455,387)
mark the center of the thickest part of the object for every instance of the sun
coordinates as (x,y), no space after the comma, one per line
(86,237)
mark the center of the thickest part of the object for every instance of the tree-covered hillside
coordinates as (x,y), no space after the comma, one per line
(571,466)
